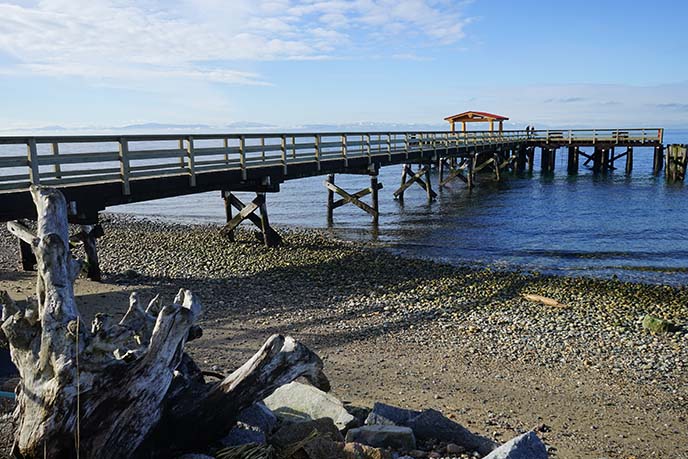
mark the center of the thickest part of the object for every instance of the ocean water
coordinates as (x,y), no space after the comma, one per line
(632,227)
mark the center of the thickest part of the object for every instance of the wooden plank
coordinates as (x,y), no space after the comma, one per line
(244,212)
(14,161)
(32,158)
(78,158)
(191,161)
(55,148)
(124,166)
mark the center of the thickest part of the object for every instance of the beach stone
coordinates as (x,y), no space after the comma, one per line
(383,414)
(298,431)
(383,436)
(301,402)
(259,417)
(359,451)
(526,446)
(655,324)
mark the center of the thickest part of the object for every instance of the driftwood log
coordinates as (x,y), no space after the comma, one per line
(123,389)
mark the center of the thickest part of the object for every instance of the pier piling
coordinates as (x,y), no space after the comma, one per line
(572,164)
(658,160)
(629,160)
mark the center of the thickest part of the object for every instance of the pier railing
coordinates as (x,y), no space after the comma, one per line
(79,160)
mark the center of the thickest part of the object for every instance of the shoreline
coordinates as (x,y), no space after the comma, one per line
(418,333)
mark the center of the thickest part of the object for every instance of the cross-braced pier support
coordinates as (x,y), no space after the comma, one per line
(408,178)
(455,171)
(346,198)
(87,237)
(247,212)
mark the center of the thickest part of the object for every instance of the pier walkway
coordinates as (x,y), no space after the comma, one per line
(94,172)
(99,171)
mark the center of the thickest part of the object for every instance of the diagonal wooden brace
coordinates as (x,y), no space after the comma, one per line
(354,199)
(247,212)
(455,173)
(415,178)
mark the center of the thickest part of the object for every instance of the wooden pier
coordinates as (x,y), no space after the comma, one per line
(95,172)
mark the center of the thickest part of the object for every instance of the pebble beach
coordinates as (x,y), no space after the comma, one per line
(585,373)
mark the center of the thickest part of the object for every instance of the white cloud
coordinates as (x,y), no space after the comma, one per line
(134,40)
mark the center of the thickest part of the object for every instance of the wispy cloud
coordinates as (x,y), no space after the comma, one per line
(211,40)
(673,106)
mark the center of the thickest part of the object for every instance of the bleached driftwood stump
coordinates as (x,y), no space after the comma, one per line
(127,389)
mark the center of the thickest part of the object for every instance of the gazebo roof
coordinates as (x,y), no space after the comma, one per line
(475,117)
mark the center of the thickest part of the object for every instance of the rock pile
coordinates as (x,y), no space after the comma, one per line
(299,421)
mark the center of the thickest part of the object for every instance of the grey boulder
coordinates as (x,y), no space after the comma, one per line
(526,446)
(295,402)
(430,424)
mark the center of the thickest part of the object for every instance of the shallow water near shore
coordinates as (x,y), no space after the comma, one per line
(633,227)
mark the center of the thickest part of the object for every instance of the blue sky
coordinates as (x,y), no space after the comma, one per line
(293,62)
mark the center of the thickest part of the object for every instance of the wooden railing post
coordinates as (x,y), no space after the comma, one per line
(283,149)
(32,156)
(124,165)
(225,143)
(262,153)
(192,160)
(317,150)
(182,160)
(56,152)
(345,150)
(367,142)
(389,146)
(242,156)
(406,143)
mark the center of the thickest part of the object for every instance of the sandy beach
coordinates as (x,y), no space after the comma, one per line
(419,334)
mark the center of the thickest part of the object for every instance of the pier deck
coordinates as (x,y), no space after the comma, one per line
(95,172)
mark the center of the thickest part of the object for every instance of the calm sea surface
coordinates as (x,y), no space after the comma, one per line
(634,227)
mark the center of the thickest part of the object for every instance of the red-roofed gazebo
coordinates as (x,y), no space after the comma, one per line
(476,117)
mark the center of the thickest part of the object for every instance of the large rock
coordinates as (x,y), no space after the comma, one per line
(299,431)
(301,402)
(259,417)
(254,425)
(526,446)
(241,435)
(359,451)
(389,415)
(383,436)
(430,425)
